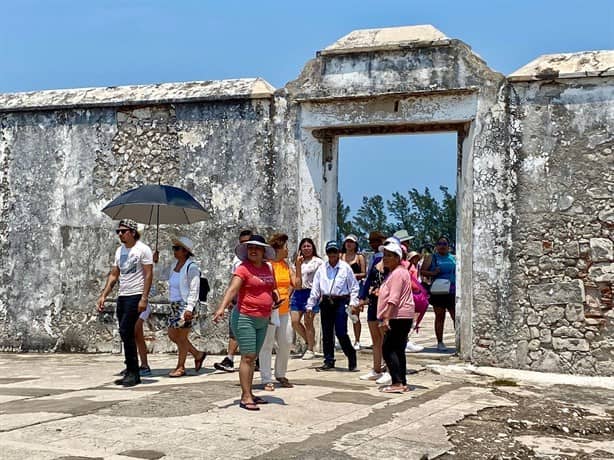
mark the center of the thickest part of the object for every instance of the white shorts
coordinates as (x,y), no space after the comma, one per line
(145,315)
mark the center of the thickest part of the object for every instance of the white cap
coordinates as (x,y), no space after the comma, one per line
(392,247)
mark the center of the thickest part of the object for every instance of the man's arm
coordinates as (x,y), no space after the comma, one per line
(148,272)
(353,287)
(111,280)
(316,292)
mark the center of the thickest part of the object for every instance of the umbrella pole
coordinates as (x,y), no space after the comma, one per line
(157,227)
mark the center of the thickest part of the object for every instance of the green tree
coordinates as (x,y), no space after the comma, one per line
(344,223)
(371,216)
(423,216)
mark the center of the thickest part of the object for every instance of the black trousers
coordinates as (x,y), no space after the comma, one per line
(393,349)
(127,315)
(334,321)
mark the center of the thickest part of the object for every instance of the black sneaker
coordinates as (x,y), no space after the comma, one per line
(325,367)
(352,366)
(131,380)
(226,365)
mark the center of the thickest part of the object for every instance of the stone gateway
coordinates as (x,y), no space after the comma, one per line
(535,188)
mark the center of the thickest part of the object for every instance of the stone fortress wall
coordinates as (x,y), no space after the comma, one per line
(536,187)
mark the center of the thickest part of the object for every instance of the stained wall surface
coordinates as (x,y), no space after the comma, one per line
(535,188)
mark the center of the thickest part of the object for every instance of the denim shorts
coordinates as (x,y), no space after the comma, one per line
(299,299)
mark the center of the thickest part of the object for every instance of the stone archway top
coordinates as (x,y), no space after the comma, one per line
(387,39)
(117,96)
(567,65)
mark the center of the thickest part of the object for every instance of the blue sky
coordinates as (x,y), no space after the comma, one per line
(46,44)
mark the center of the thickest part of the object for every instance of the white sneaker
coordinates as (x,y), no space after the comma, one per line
(413,348)
(372,375)
(441,347)
(308,355)
(357,346)
(385,379)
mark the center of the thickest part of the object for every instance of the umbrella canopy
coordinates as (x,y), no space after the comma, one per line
(156,204)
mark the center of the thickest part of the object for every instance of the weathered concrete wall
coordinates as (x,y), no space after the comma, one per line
(535,187)
(62,166)
(563,270)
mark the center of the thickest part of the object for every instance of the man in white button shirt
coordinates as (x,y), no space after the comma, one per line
(334,287)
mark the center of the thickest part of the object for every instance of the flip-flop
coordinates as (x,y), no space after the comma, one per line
(284,382)
(174,375)
(269,386)
(249,406)
(198,363)
(259,400)
(393,390)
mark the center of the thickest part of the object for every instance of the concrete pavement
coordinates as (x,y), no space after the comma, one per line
(55,406)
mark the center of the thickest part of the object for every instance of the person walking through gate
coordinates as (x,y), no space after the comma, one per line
(306,265)
(350,254)
(183,276)
(227,364)
(254,284)
(133,267)
(395,310)
(368,295)
(280,329)
(334,287)
(442,269)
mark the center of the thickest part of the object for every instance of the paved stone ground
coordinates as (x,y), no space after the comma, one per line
(56,406)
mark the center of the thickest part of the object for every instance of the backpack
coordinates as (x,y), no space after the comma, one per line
(204,287)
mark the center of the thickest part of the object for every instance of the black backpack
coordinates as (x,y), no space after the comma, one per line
(204,287)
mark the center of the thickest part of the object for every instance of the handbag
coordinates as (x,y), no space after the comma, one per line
(441,286)
(421,299)
(204,287)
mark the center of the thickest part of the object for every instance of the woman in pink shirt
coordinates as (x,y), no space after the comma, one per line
(395,310)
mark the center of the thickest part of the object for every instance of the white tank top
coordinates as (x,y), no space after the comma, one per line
(174,286)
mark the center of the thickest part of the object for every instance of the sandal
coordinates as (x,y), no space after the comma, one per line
(284,382)
(393,390)
(259,400)
(177,373)
(248,406)
(198,363)
(269,386)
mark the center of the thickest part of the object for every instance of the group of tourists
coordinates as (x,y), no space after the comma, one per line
(269,298)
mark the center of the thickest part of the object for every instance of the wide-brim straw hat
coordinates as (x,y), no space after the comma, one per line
(254,240)
(184,242)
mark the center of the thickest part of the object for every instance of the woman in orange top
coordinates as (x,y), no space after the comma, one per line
(280,326)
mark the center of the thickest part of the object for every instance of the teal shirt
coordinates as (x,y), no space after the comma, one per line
(447,267)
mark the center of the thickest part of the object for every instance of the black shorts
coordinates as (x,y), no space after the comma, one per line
(446,301)
(372,309)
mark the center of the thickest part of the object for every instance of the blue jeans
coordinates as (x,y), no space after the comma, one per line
(335,322)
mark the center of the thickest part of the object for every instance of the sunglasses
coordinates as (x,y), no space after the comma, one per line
(121,231)
(442,243)
(176,248)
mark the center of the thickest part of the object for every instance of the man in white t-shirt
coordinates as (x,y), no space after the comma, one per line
(133,267)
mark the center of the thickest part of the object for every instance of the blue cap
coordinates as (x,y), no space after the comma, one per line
(332,246)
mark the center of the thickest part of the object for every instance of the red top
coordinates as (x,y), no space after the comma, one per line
(256,293)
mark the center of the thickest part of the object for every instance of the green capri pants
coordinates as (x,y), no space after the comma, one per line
(250,331)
